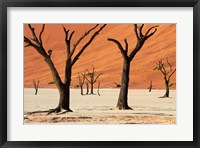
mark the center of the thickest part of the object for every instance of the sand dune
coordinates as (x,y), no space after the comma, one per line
(103,55)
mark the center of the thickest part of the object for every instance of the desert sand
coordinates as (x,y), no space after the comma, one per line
(148,108)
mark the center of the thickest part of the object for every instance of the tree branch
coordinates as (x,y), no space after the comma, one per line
(81,81)
(151,34)
(40,36)
(67,42)
(136,31)
(29,43)
(171,74)
(39,48)
(162,68)
(35,39)
(170,66)
(80,39)
(140,39)
(141,27)
(26,40)
(93,69)
(126,46)
(70,37)
(66,33)
(88,80)
(123,52)
(87,44)
(97,77)
(146,34)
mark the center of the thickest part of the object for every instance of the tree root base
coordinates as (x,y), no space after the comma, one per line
(57,110)
(124,108)
(50,111)
(164,97)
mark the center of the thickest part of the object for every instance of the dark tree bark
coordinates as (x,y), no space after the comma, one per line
(167,72)
(92,88)
(63,87)
(117,85)
(36,86)
(81,90)
(123,95)
(98,88)
(87,88)
(92,78)
(167,87)
(141,38)
(150,86)
(81,79)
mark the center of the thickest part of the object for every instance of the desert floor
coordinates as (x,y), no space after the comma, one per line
(148,108)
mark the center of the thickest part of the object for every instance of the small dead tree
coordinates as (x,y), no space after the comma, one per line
(141,37)
(98,88)
(167,70)
(92,78)
(87,88)
(150,86)
(36,85)
(117,85)
(81,79)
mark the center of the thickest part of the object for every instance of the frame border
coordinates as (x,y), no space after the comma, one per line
(99,3)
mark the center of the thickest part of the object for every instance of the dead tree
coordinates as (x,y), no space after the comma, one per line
(81,79)
(167,70)
(98,88)
(117,85)
(87,88)
(150,86)
(92,78)
(141,39)
(36,85)
(63,87)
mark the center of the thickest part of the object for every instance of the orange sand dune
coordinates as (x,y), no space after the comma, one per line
(104,55)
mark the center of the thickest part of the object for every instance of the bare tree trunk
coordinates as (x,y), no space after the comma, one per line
(150,87)
(36,86)
(117,85)
(81,90)
(123,96)
(68,74)
(81,79)
(91,89)
(62,87)
(66,100)
(87,92)
(98,89)
(166,88)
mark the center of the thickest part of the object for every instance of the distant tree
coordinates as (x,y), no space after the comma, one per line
(36,85)
(87,88)
(81,79)
(98,88)
(150,86)
(91,80)
(167,70)
(63,87)
(141,39)
(117,85)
